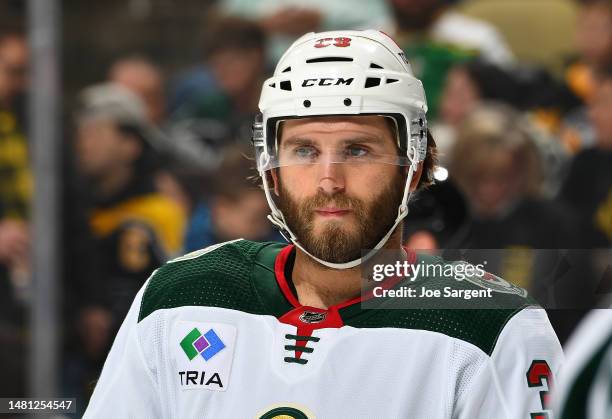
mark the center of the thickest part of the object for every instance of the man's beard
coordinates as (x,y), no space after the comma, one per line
(337,243)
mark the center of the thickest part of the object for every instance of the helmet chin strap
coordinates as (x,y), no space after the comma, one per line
(277,218)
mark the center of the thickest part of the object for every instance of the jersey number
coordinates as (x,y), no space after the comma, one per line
(536,374)
(340,42)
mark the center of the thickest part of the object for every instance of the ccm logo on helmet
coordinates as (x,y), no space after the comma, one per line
(337,42)
(327,82)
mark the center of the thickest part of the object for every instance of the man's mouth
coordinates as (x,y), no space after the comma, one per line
(332,212)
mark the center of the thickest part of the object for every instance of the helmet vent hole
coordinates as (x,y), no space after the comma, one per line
(272,85)
(372,82)
(307,103)
(347,102)
(328,60)
(285,85)
(288,69)
(389,81)
(374,65)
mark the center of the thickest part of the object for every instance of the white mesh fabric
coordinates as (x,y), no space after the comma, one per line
(466,361)
(152,341)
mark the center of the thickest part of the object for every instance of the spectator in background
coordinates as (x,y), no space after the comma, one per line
(15,198)
(15,182)
(588,187)
(135,228)
(519,234)
(532,91)
(466,86)
(495,162)
(497,166)
(14,57)
(145,79)
(594,45)
(235,54)
(235,209)
(138,228)
(435,38)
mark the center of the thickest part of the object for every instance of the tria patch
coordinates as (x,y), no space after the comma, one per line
(199,378)
(203,354)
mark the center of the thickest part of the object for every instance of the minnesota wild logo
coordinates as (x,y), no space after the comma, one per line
(494,282)
(286,412)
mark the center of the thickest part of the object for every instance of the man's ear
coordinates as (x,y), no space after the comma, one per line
(416,177)
(275,181)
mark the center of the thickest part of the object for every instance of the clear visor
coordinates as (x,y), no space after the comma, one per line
(308,152)
(304,155)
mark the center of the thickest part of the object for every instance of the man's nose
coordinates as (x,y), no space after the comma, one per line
(331,177)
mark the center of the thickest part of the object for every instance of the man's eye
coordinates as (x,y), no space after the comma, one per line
(355,151)
(305,152)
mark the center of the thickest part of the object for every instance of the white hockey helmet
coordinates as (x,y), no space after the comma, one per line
(342,73)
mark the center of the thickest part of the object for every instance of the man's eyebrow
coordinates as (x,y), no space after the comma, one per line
(301,141)
(363,140)
(296,141)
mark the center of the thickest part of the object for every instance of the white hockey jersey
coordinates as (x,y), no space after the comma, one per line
(220,334)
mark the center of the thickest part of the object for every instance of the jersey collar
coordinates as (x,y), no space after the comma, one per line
(347,308)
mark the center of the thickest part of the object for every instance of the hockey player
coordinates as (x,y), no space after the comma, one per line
(586,384)
(266,330)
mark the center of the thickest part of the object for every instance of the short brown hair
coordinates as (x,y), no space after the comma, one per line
(430,163)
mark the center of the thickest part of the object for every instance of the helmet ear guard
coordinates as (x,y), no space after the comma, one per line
(341,74)
(419,136)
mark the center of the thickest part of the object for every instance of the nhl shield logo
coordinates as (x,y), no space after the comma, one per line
(312,317)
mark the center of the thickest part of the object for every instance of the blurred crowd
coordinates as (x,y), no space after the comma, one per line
(157,164)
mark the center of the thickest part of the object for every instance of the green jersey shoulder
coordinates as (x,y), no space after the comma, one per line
(452,298)
(217,276)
